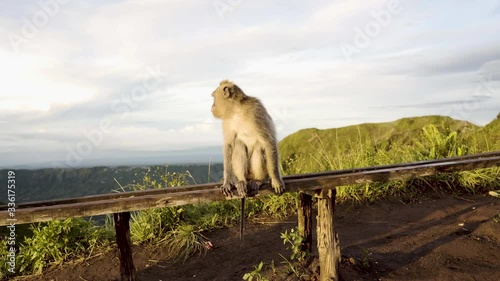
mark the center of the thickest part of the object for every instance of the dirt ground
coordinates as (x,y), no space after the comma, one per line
(449,238)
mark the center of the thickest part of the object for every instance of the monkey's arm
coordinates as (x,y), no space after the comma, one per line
(228,169)
(270,146)
(273,169)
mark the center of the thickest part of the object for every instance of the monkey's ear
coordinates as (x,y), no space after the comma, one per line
(228,91)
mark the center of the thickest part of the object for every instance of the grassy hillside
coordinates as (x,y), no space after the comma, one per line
(311,144)
(488,136)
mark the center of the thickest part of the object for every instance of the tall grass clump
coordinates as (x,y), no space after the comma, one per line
(434,144)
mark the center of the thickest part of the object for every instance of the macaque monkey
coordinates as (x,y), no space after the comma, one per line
(250,149)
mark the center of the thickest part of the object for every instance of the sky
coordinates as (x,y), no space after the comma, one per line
(96,81)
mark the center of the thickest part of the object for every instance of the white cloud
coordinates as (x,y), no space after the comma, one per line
(24,85)
(338,11)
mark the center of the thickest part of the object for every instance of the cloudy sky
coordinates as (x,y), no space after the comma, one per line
(111,79)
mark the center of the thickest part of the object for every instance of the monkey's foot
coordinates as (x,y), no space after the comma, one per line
(241,186)
(255,185)
(226,190)
(278,185)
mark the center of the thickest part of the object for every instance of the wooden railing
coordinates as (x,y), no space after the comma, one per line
(318,185)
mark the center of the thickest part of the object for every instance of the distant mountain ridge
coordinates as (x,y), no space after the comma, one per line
(205,155)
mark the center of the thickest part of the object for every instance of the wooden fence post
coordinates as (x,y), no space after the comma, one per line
(304,212)
(122,227)
(328,240)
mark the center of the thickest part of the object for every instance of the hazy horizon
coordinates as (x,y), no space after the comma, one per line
(205,155)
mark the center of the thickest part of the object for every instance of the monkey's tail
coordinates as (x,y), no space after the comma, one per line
(242,219)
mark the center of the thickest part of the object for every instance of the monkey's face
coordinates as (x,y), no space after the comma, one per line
(222,102)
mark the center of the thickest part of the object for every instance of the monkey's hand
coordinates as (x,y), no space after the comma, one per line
(278,186)
(241,186)
(226,189)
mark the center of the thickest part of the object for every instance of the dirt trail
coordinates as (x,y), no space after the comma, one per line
(431,239)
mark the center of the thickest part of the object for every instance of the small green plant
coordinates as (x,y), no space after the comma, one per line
(256,274)
(294,241)
(291,267)
(273,268)
(366,259)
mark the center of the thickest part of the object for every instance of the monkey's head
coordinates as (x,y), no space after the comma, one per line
(227,98)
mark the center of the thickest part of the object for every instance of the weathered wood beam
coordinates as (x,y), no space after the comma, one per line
(117,195)
(87,209)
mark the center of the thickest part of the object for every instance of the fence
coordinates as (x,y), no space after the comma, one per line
(315,185)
